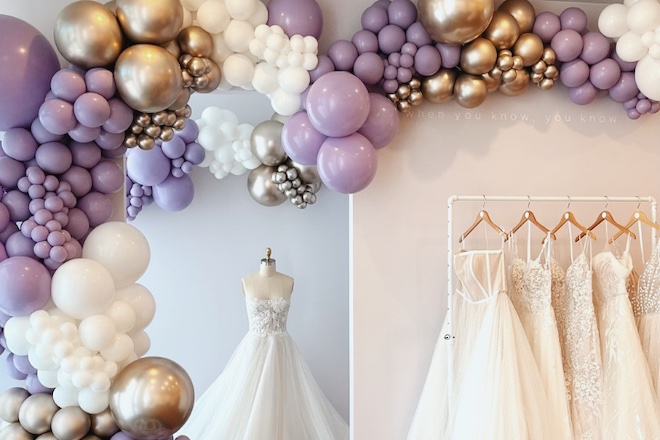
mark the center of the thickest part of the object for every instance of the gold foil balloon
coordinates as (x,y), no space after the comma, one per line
(37,412)
(491,83)
(182,99)
(503,30)
(195,41)
(266,142)
(173,48)
(478,56)
(151,398)
(71,423)
(111,5)
(148,78)
(439,88)
(517,86)
(529,47)
(49,436)
(212,78)
(10,403)
(150,21)
(15,432)
(470,91)
(262,188)
(522,11)
(88,35)
(103,424)
(455,21)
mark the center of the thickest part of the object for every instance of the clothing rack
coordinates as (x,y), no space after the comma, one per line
(449,336)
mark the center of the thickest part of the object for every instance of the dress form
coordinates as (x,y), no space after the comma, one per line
(267,283)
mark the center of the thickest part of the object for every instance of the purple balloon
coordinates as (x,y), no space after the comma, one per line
(427,60)
(175,148)
(10,171)
(57,116)
(365,41)
(17,203)
(324,66)
(24,286)
(625,88)
(91,109)
(573,18)
(643,106)
(4,217)
(107,177)
(3,319)
(43,136)
(383,121)
(190,131)
(175,193)
(417,35)
(596,47)
(121,436)
(82,133)
(110,141)
(546,26)
(301,141)
(347,164)
(374,18)
(121,117)
(10,230)
(54,158)
(337,104)
(402,13)
(584,94)
(567,44)
(100,80)
(3,252)
(12,371)
(28,64)
(19,144)
(391,38)
(23,365)
(68,84)
(148,167)
(369,68)
(450,54)
(605,74)
(78,225)
(194,153)
(116,153)
(79,179)
(97,207)
(33,385)
(18,245)
(626,66)
(574,73)
(343,54)
(296,17)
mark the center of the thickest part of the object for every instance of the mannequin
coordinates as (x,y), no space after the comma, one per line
(267,284)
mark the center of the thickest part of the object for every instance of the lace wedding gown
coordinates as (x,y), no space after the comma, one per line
(266,391)
(630,408)
(497,393)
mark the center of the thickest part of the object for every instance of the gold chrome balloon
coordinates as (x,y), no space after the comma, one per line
(148,78)
(15,431)
(455,21)
(37,412)
(195,41)
(439,88)
(88,35)
(491,83)
(150,21)
(529,47)
(522,11)
(470,91)
(262,188)
(478,56)
(70,423)
(517,86)
(103,424)
(503,30)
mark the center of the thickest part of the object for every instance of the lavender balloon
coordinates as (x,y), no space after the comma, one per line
(78,225)
(391,38)
(79,179)
(174,194)
(595,47)
(450,55)
(296,17)
(24,286)
(324,66)
(41,135)
(427,60)
(56,115)
(605,74)
(347,164)
(3,252)
(85,155)
(365,41)
(148,167)
(417,35)
(54,157)
(301,141)
(374,18)
(121,117)
(102,81)
(573,18)
(97,207)
(584,94)
(567,44)
(82,133)
(17,203)
(107,177)
(10,171)
(91,109)
(190,131)
(19,144)
(343,54)
(68,84)
(625,88)
(11,369)
(34,386)
(546,26)
(574,73)
(402,13)
(383,121)
(369,68)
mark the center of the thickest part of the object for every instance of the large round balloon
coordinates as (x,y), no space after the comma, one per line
(174,193)
(296,17)
(150,21)
(28,64)
(24,286)
(383,121)
(155,389)
(455,21)
(262,188)
(647,76)
(347,164)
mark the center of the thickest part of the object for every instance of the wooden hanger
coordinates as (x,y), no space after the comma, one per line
(638,216)
(482,216)
(568,217)
(528,216)
(607,216)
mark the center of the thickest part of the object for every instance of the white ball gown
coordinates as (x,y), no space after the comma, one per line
(267,391)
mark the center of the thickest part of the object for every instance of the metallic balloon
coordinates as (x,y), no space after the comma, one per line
(88,35)
(213,77)
(112,5)
(308,173)
(15,432)
(148,78)
(195,41)
(173,48)
(37,412)
(470,91)
(503,30)
(71,423)
(48,436)
(182,99)
(529,47)
(439,88)
(266,142)
(549,55)
(455,21)
(151,398)
(150,21)
(546,84)
(262,188)
(522,11)
(10,403)
(478,56)
(491,83)
(103,424)
(517,86)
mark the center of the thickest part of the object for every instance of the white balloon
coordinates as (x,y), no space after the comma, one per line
(120,350)
(82,287)
(644,16)
(257,48)
(48,378)
(142,343)
(40,362)
(241,9)
(612,20)
(630,47)
(647,77)
(271,56)
(142,302)
(97,332)
(654,52)
(65,396)
(187,18)
(265,78)
(122,315)
(285,103)
(310,61)
(293,80)
(93,402)
(259,15)
(81,379)
(238,35)
(629,2)
(311,44)
(238,70)
(220,49)
(15,334)
(213,16)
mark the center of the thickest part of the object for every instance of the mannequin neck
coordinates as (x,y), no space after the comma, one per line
(267,269)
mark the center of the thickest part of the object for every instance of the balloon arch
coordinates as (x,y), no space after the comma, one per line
(73,316)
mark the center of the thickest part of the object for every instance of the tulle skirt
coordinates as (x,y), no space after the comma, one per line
(266,392)
(649,334)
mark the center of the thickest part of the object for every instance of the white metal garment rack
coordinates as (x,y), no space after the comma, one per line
(449,336)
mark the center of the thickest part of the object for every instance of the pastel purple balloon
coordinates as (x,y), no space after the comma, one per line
(54,158)
(574,73)
(78,225)
(337,104)
(4,217)
(57,116)
(18,245)
(450,54)
(402,13)
(97,207)
(427,60)
(323,67)
(121,117)
(33,385)
(567,44)
(100,80)
(383,121)
(347,164)
(10,171)
(194,153)
(546,26)
(68,85)
(374,18)
(573,18)
(116,153)
(643,106)
(107,177)
(625,88)
(190,131)
(175,148)
(584,94)
(3,252)
(174,193)
(41,135)
(110,141)
(148,167)
(605,74)
(23,365)
(11,369)
(369,68)
(626,66)
(417,35)
(8,232)
(79,179)
(82,133)
(85,155)
(19,144)
(296,17)
(343,54)
(121,436)
(17,203)
(91,109)
(391,38)
(28,64)
(365,41)
(301,141)
(24,286)
(595,48)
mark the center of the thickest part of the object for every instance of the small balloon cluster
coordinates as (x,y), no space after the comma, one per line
(289,181)
(149,128)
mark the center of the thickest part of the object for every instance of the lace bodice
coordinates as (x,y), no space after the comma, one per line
(480,274)
(611,275)
(646,299)
(267,316)
(531,286)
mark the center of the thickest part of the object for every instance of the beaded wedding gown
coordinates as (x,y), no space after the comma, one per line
(267,391)
(496,392)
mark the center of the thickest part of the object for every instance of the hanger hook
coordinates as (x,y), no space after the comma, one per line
(640,203)
(484,204)
(529,202)
(568,207)
(607,203)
